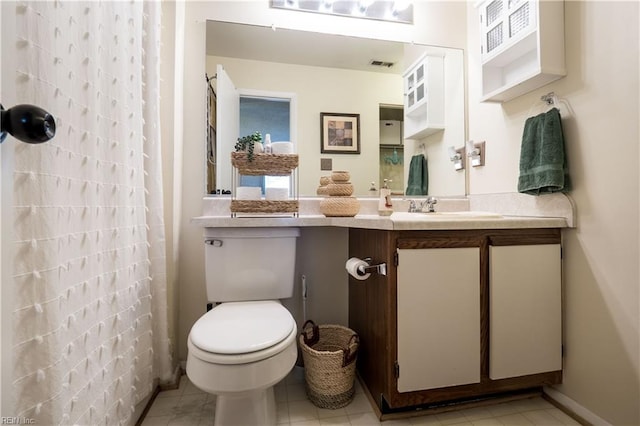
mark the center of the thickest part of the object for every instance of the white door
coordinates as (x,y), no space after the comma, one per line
(228,124)
(525,311)
(438,317)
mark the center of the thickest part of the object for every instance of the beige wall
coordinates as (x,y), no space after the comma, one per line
(170,126)
(601,256)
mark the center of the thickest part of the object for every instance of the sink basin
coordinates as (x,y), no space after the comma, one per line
(465,215)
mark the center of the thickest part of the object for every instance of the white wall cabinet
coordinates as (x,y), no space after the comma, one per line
(424,97)
(438,317)
(522,46)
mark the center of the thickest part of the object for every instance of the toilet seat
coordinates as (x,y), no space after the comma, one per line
(241,332)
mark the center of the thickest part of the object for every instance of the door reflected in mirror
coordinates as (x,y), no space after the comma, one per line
(329,73)
(392,148)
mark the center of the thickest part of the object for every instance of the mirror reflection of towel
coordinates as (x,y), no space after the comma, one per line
(418,182)
(543,163)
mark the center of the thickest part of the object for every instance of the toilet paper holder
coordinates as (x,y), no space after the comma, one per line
(380,268)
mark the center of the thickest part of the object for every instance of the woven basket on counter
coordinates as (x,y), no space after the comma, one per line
(342,189)
(264,164)
(339,206)
(340,176)
(264,206)
(329,353)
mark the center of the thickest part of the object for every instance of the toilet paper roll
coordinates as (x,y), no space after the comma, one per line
(355,268)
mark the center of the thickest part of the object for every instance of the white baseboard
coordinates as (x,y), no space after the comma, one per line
(574,407)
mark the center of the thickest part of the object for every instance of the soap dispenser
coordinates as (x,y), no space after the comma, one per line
(385,207)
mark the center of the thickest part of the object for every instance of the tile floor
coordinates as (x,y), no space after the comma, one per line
(189,406)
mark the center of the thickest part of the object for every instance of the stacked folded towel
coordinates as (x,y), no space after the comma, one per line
(543,163)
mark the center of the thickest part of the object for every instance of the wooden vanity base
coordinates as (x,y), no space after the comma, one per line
(373,314)
(423,410)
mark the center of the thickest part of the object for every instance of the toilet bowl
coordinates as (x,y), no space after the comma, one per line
(239,351)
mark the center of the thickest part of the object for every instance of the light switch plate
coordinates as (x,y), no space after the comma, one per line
(326,164)
(478,160)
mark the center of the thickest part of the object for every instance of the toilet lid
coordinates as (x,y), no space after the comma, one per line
(242,327)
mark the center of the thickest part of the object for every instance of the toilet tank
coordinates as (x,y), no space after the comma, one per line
(249,263)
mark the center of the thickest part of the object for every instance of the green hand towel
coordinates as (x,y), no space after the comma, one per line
(543,163)
(418,182)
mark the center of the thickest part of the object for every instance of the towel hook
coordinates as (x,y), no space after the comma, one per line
(549,98)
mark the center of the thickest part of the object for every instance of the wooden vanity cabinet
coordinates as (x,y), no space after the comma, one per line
(460,314)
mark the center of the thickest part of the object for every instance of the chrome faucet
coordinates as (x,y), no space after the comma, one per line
(429,203)
(425,206)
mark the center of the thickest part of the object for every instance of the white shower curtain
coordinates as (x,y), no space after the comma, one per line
(90,318)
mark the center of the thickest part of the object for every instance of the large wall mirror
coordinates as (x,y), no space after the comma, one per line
(303,74)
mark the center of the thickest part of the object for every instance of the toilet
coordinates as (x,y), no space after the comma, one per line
(247,343)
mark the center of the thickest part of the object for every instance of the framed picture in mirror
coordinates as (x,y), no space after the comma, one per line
(340,133)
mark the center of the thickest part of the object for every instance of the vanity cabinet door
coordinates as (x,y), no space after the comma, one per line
(438,317)
(525,310)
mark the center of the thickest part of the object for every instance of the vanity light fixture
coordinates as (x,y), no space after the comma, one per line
(457,156)
(475,152)
(384,10)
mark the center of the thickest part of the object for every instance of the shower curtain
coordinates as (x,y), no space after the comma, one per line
(90,318)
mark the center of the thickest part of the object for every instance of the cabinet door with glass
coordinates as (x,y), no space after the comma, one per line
(505,22)
(424,97)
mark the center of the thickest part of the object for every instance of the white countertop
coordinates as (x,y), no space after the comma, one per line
(506,211)
(403,221)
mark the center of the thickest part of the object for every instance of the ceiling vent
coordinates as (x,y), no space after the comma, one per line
(376,63)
